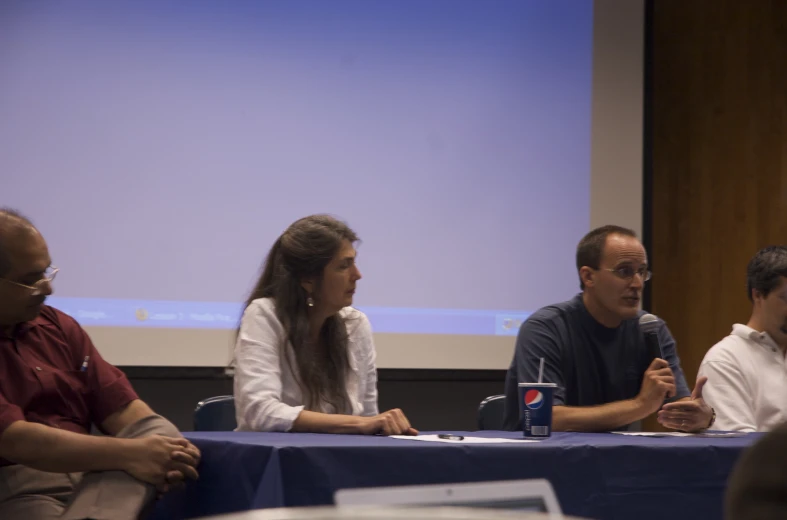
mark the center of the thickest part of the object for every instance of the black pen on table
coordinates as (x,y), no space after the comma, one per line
(450,437)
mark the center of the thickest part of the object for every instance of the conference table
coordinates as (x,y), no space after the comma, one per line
(595,475)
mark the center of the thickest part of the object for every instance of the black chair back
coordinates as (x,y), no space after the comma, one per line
(215,414)
(491,413)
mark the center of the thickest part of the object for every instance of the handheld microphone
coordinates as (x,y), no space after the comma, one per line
(649,325)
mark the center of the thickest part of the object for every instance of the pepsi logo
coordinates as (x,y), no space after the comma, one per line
(534,399)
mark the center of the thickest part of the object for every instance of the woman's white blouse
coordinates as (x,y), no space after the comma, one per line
(267,395)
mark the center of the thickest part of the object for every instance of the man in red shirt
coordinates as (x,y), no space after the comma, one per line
(53,386)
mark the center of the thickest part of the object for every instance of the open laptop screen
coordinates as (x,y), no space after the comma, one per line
(535,505)
(520,495)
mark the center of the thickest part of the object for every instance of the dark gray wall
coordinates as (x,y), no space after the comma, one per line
(431,399)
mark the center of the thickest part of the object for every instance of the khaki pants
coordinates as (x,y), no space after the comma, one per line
(30,494)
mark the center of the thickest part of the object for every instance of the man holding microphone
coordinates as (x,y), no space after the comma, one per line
(595,352)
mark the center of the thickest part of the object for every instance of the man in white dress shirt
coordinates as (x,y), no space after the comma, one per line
(747,371)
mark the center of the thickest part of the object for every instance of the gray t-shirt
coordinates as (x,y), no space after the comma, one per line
(590,363)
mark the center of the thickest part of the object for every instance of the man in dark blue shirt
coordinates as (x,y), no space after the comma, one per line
(594,351)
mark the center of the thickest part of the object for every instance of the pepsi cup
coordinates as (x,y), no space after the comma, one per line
(535,400)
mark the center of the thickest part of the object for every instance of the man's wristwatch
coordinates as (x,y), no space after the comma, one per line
(712,418)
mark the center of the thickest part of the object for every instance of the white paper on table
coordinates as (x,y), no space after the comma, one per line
(466,440)
(682,434)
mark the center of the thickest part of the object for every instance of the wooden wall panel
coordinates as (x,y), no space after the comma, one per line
(719,152)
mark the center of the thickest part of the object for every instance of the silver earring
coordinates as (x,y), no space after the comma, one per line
(310,301)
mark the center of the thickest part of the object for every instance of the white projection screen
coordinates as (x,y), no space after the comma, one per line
(162,146)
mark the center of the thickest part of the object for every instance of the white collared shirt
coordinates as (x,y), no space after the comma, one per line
(267,395)
(747,381)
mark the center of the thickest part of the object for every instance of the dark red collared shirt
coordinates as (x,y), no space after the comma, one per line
(42,380)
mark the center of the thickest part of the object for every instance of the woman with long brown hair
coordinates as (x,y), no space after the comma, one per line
(304,359)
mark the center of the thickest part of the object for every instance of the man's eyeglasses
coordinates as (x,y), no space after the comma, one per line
(627,272)
(37,288)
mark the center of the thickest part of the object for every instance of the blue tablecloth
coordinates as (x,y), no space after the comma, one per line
(602,476)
